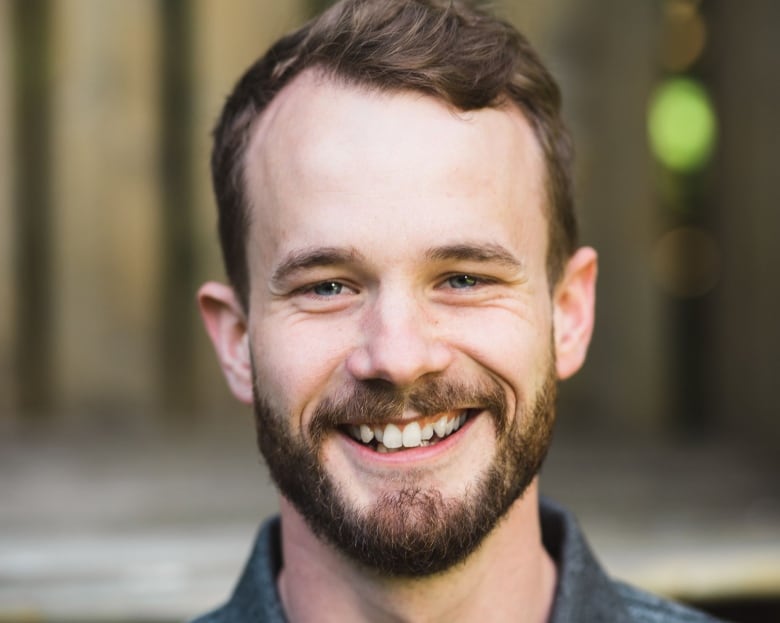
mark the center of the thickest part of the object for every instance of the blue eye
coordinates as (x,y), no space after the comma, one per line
(462,281)
(328,288)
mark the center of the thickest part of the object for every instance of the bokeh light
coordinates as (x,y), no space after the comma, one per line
(682,125)
(684,36)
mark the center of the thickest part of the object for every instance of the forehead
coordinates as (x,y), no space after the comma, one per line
(316,114)
(325,147)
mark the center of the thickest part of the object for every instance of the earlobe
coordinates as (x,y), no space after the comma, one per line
(574,311)
(226,325)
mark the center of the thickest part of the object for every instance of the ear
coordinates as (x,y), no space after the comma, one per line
(574,311)
(227,327)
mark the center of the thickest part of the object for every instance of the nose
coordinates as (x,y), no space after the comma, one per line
(400,343)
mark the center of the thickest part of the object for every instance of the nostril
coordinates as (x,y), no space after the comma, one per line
(400,364)
(400,339)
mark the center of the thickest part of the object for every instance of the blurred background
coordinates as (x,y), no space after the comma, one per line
(130,487)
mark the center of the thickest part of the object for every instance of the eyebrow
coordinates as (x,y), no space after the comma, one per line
(313,257)
(479,252)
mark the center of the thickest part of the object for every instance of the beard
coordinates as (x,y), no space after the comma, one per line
(411,531)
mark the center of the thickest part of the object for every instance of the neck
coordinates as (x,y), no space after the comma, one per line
(510,575)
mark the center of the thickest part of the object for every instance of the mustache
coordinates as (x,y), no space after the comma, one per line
(377,402)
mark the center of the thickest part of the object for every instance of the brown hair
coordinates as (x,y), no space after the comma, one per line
(449,49)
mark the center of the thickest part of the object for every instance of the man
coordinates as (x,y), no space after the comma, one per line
(396,219)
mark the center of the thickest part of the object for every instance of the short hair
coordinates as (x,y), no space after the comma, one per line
(449,49)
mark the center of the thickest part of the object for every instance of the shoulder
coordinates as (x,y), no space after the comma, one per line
(647,608)
(217,616)
(586,593)
(255,597)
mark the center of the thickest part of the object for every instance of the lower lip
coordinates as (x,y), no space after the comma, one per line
(410,455)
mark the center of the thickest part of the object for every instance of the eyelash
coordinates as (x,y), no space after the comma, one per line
(311,290)
(340,286)
(336,285)
(465,281)
(476,281)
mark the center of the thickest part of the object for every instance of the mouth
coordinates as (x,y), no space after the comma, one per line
(418,433)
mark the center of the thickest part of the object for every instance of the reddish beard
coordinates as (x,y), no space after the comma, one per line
(412,531)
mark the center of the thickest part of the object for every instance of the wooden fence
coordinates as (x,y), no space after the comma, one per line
(107,219)
(107,224)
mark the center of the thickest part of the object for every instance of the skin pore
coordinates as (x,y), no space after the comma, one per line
(394,242)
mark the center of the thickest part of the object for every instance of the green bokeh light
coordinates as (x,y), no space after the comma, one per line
(681,124)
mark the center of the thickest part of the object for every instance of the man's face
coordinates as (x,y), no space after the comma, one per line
(398,290)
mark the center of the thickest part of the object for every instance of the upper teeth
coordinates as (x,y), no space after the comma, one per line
(411,435)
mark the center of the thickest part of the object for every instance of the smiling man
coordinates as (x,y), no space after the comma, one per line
(406,289)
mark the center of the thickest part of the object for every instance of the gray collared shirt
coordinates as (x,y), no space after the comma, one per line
(584,594)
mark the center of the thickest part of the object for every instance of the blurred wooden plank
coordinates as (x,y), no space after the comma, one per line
(7,246)
(106,183)
(743,63)
(177,286)
(32,206)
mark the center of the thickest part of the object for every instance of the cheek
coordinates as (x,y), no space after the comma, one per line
(513,347)
(296,363)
